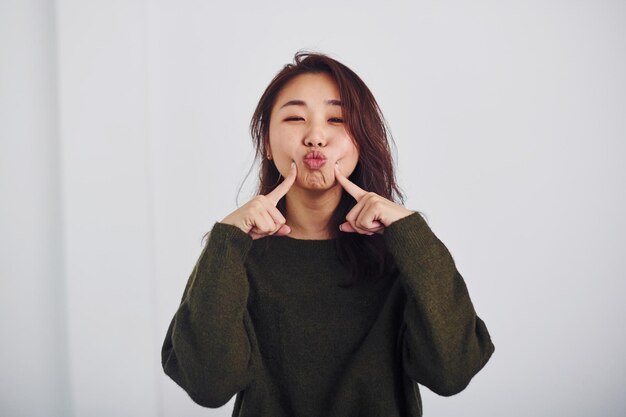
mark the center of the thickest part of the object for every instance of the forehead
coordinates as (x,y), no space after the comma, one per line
(310,88)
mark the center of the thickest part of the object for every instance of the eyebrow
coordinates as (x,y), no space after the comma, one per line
(332,102)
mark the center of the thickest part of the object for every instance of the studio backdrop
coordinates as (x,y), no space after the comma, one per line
(124,138)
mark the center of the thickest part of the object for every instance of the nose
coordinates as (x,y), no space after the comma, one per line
(315,135)
(313,142)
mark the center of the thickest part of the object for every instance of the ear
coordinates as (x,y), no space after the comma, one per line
(268,148)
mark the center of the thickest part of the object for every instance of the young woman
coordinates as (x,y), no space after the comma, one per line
(323,295)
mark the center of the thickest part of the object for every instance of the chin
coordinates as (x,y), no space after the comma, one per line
(315,185)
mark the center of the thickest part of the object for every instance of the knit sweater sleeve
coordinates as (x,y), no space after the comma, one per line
(210,347)
(444,343)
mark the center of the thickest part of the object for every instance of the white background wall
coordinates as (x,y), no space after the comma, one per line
(123,138)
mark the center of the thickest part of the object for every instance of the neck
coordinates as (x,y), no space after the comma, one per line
(308,212)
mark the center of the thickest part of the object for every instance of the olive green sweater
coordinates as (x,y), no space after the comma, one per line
(265,320)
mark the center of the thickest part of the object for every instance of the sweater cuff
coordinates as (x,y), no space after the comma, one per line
(409,237)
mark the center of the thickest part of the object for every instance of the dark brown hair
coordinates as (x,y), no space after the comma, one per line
(366,255)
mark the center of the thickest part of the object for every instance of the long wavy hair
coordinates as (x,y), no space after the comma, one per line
(365,255)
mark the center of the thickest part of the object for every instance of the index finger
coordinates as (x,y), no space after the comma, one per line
(352,189)
(279,192)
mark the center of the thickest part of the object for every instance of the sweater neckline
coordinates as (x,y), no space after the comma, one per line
(308,240)
(304,243)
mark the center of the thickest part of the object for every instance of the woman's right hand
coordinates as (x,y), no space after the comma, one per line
(259,217)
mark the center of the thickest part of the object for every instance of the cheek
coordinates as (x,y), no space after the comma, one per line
(350,151)
(278,140)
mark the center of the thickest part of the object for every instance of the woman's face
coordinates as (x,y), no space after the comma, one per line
(307,117)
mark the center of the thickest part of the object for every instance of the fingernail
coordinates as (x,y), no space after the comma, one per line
(340,228)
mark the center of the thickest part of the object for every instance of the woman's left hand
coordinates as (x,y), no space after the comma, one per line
(372,213)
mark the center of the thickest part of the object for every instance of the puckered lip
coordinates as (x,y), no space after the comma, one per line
(315,155)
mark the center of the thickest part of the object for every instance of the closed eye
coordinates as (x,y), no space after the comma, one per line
(332,119)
